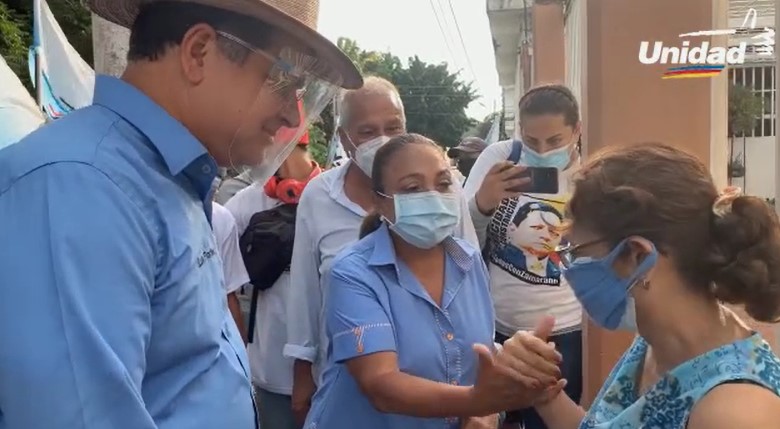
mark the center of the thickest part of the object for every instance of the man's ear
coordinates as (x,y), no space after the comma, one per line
(198,43)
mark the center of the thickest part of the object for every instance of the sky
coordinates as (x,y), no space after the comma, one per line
(409,27)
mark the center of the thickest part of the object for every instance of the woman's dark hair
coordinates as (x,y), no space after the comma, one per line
(162,24)
(383,156)
(550,100)
(666,195)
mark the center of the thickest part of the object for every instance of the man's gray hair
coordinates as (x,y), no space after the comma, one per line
(372,85)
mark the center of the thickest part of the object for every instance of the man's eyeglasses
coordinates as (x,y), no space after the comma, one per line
(287,75)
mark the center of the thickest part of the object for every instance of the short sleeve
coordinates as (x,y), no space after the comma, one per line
(358,324)
(232,262)
(305,294)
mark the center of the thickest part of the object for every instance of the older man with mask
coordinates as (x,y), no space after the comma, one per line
(111,306)
(330,212)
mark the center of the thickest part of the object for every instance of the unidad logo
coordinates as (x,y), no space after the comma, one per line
(703,60)
(692,61)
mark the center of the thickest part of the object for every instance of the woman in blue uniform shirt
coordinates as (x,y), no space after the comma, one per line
(409,314)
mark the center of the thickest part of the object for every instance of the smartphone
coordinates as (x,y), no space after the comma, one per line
(544,180)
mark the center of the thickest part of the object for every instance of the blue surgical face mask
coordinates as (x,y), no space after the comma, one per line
(425,219)
(556,158)
(603,294)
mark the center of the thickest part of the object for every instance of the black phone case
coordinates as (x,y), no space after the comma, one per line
(544,180)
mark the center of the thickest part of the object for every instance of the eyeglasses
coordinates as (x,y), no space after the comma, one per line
(287,76)
(566,254)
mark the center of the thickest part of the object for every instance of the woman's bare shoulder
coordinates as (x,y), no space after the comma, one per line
(737,405)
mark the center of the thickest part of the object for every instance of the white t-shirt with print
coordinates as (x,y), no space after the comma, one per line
(524,277)
(270,370)
(226,234)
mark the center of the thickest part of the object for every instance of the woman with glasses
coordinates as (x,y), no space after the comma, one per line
(409,315)
(655,250)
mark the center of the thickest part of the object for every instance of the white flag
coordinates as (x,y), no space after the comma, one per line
(493,135)
(19,114)
(68,81)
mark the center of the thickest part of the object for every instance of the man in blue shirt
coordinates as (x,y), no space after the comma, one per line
(112,312)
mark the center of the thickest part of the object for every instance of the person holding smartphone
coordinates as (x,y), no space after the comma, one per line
(517,190)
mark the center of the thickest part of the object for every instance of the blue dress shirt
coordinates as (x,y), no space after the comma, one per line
(376,304)
(112,312)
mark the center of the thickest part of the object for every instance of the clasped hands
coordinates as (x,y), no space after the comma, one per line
(525,372)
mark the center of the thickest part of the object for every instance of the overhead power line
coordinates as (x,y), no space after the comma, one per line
(443,33)
(462,43)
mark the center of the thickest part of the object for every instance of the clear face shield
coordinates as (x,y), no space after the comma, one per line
(297,89)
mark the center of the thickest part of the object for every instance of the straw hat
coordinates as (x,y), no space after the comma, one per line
(296,17)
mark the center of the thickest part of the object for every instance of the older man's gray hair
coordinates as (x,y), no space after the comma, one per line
(372,86)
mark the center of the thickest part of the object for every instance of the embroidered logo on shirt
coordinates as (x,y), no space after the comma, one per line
(205,256)
(359,331)
(358,338)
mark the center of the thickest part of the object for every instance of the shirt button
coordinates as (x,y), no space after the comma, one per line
(206,169)
(450,337)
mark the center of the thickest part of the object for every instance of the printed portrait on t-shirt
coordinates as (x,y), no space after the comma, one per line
(523,236)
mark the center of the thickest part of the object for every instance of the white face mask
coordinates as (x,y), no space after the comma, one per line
(364,154)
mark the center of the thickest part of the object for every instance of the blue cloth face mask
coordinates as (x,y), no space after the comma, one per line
(556,158)
(425,219)
(603,294)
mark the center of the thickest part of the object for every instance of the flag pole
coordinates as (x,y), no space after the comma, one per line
(37,54)
(38,77)
(333,143)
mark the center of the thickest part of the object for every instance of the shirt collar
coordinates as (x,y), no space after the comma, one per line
(178,147)
(336,184)
(384,252)
(337,193)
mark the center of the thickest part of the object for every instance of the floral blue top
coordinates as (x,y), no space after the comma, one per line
(668,403)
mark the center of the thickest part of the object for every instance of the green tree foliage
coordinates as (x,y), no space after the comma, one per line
(435,99)
(745,109)
(318,145)
(16,31)
(15,39)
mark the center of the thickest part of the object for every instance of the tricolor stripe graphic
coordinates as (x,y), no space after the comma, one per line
(688,72)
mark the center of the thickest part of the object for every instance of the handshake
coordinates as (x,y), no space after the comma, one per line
(523,373)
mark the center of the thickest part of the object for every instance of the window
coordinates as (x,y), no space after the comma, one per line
(762,81)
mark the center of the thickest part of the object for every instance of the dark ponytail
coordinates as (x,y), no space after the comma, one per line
(371,223)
